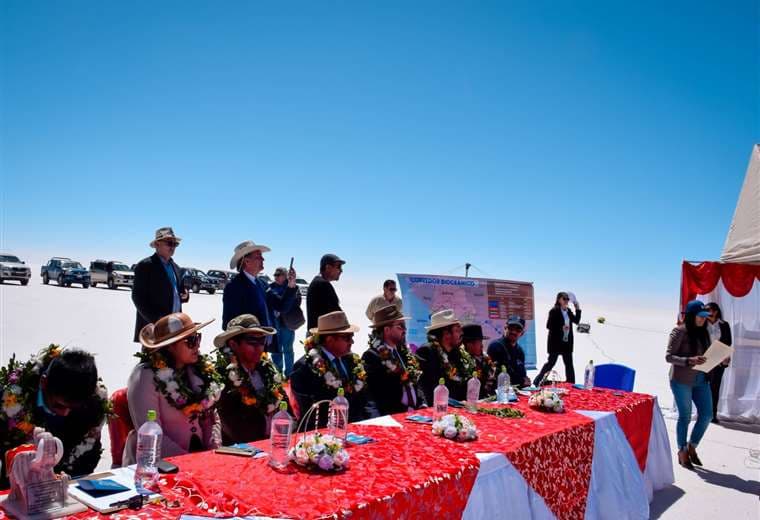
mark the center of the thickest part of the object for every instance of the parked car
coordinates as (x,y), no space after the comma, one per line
(114,274)
(303,287)
(65,271)
(197,281)
(11,268)
(221,277)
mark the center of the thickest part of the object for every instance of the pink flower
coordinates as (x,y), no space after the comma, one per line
(13,377)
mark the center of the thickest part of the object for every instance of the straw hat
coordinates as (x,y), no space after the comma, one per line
(442,319)
(334,323)
(242,324)
(387,315)
(245,248)
(163,234)
(169,329)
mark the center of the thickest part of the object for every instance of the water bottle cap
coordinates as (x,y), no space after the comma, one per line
(503,368)
(152,415)
(341,392)
(441,381)
(284,405)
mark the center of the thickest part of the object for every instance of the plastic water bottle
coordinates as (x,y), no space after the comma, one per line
(338,415)
(473,393)
(588,376)
(440,399)
(502,386)
(279,437)
(148,452)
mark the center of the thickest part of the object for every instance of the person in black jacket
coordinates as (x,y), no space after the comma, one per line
(560,339)
(505,351)
(321,297)
(486,370)
(721,331)
(392,370)
(157,290)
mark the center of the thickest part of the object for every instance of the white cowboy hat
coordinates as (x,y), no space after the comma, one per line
(242,324)
(169,329)
(334,322)
(245,248)
(442,319)
(164,233)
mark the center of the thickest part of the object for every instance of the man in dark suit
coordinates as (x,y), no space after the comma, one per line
(321,297)
(444,357)
(249,294)
(157,290)
(329,365)
(392,371)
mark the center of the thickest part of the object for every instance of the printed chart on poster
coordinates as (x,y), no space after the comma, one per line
(474,300)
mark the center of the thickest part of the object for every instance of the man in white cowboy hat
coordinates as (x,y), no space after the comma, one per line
(253,384)
(444,357)
(157,290)
(329,365)
(392,370)
(249,294)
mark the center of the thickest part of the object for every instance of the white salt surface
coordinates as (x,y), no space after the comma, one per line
(102,321)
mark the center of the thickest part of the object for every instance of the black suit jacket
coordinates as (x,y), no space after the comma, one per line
(308,388)
(555,323)
(385,388)
(432,370)
(321,299)
(153,293)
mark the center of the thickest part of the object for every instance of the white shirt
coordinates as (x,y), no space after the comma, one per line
(714,330)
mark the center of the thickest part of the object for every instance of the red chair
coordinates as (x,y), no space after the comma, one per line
(119,426)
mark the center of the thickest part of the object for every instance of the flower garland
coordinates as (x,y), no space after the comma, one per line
(329,373)
(227,364)
(177,391)
(451,372)
(485,370)
(20,383)
(410,373)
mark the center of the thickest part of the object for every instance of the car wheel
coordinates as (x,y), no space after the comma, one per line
(111,285)
(24,282)
(86,285)
(45,278)
(60,280)
(94,284)
(196,288)
(211,291)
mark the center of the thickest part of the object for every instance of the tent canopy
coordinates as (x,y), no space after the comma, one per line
(743,240)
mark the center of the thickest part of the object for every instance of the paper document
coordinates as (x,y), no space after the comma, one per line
(715,355)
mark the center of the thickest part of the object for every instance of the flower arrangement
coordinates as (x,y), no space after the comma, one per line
(176,390)
(240,381)
(455,427)
(547,400)
(408,372)
(318,451)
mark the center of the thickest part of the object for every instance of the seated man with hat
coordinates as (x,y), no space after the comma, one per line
(444,357)
(392,370)
(505,351)
(472,338)
(179,383)
(253,385)
(58,390)
(328,365)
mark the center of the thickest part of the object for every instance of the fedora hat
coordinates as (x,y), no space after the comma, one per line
(441,319)
(242,324)
(245,248)
(472,331)
(387,315)
(169,329)
(163,234)
(334,322)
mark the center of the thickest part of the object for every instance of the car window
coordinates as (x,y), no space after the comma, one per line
(302,281)
(120,267)
(72,265)
(9,258)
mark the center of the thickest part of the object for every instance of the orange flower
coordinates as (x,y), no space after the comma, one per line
(25,427)
(249,401)
(277,395)
(191,409)
(404,376)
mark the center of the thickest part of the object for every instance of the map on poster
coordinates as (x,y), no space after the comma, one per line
(474,300)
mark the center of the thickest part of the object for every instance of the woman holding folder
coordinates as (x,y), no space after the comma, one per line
(686,347)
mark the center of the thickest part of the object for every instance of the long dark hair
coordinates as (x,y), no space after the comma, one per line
(560,295)
(714,306)
(696,333)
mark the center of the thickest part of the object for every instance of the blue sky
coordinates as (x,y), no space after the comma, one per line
(591,145)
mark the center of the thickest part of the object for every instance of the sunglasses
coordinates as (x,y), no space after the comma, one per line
(194,341)
(170,243)
(255,341)
(565,299)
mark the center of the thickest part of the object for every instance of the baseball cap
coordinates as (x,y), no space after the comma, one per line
(329,259)
(697,308)
(516,321)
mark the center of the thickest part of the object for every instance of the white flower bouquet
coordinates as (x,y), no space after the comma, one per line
(455,427)
(320,451)
(547,400)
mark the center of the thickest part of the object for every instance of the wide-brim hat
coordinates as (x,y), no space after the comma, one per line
(387,315)
(334,323)
(245,248)
(442,319)
(163,234)
(243,324)
(472,331)
(169,329)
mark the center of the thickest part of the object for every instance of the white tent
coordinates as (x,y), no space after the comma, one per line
(743,240)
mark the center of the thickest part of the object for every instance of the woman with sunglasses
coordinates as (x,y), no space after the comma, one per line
(719,330)
(253,384)
(559,341)
(179,383)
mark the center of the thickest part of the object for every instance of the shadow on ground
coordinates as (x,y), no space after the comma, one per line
(663,499)
(751,487)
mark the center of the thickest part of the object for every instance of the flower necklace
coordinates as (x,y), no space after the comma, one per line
(485,369)
(227,363)
(408,371)
(177,391)
(329,371)
(452,372)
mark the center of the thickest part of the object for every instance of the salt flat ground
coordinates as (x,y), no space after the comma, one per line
(102,321)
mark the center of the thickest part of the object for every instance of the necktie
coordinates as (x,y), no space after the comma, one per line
(341,369)
(410,397)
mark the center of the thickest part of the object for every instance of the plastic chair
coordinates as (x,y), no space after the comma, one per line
(616,377)
(119,426)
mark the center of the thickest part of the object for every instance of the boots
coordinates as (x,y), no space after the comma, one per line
(693,455)
(683,459)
